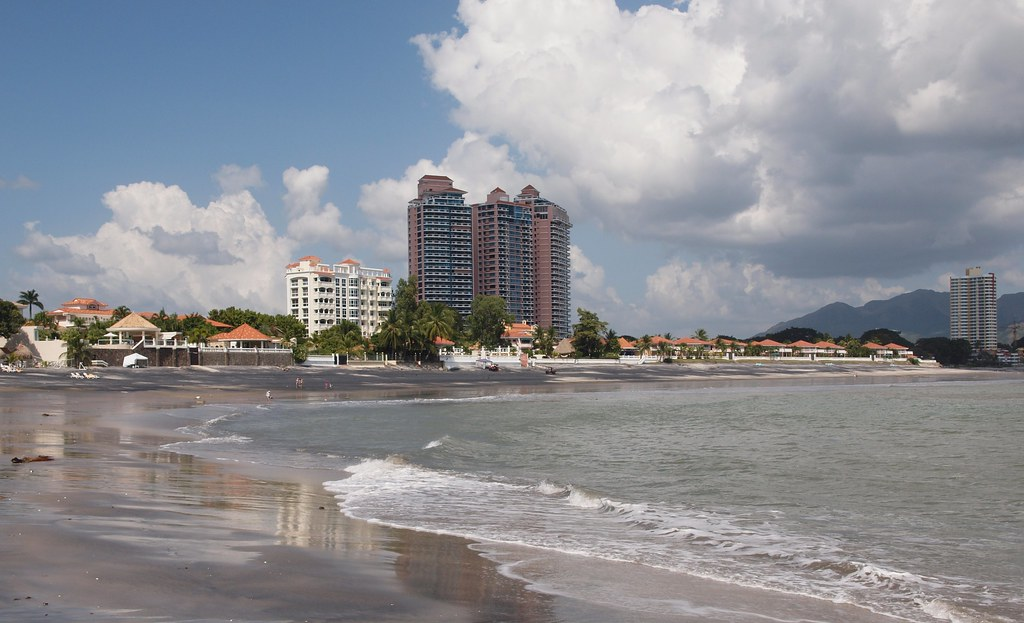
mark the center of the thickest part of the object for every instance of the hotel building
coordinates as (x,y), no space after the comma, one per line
(322,295)
(972,309)
(441,244)
(517,249)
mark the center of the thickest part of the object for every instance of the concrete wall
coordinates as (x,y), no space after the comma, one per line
(245,357)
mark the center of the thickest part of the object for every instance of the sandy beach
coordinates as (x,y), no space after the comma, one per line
(117,528)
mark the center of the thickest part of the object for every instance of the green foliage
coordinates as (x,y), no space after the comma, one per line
(300,353)
(545,340)
(77,346)
(700,334)
(795,334)
(120,312)
(588,335)
(284,326)
(612,350)
(10,318)
(884,336)
(435,320)
(343,338)
(944,350)
(487,320)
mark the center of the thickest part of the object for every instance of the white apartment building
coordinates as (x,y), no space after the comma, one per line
(322,295)
(972,309)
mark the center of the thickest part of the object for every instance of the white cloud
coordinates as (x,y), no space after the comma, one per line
(816,138)
(743,299)
(160,250)
(233,178)
(309,221)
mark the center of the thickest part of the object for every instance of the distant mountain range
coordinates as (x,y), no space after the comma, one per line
(917,314)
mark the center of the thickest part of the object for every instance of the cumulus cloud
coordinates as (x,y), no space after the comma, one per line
(159,249)
(798,142)
(782,131)
(309,220)
(233,178)
(704,294)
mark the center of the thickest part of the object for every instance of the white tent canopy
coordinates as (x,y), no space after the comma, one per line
(135,360)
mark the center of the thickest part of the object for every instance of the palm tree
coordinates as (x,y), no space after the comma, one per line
(434,321)
(701,334)
(391,336)
(77,346)
(120,312)
(665,350)
(30,298)
(644,344)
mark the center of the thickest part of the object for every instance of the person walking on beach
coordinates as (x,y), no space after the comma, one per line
(269,395)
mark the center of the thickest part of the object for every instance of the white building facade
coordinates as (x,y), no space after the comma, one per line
(972,309)
(322,295)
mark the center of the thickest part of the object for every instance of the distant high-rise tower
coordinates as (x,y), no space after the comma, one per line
(972,309)
(441,244)
(552,270)
(503,254)
(516,249)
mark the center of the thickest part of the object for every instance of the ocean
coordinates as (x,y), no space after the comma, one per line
(902,500)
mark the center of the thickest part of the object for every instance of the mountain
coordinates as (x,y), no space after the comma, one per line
(917,314)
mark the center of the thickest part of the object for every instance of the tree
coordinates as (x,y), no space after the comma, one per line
(120,312)
(700,334)
(390,337)
(945,351)
(545,340)
(588,335)
(31,299)
(794,334)
(884,336)
(11,319)
(488,317)
(665,350)
(343,338)
(77,347)
(644,345)
(612,348)
(434,320)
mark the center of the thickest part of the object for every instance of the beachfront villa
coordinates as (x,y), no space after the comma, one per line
(87,311)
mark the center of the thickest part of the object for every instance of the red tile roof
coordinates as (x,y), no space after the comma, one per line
(244,333)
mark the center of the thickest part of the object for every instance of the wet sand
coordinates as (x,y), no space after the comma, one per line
(117,529)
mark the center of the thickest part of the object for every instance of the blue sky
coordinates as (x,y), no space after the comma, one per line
(726,166)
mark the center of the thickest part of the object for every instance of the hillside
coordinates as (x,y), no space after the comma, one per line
(917,314)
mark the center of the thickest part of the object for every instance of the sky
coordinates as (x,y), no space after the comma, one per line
(726,165)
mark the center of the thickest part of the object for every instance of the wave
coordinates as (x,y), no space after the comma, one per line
(569,519)
(228,439)
(437,443)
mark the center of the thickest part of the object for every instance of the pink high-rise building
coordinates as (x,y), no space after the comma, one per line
(517,249)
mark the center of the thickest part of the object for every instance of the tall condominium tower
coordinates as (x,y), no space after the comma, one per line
(972,309)
(322,295)
(551,261)
(503,254)
(517,249)
(441,244)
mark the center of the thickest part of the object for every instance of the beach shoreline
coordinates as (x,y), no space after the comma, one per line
(118,528)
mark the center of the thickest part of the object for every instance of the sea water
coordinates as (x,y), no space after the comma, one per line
(901,500)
